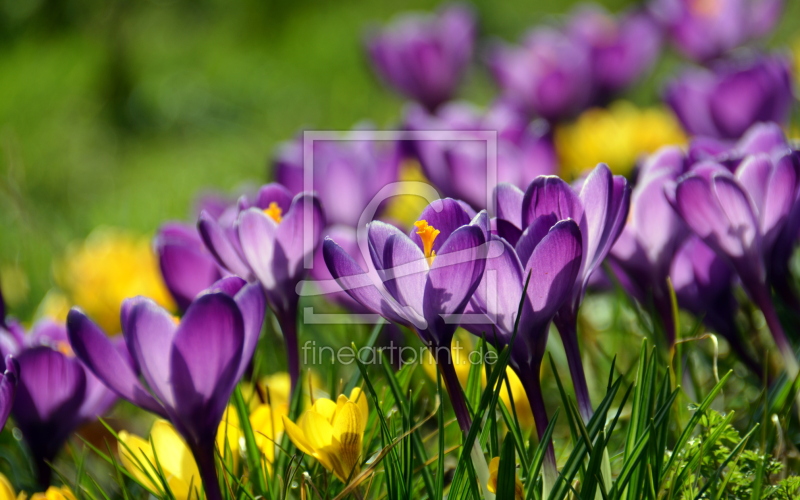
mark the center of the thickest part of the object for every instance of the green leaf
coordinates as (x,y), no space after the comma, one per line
(507,469)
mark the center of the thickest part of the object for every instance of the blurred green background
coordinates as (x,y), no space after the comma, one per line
(119,112)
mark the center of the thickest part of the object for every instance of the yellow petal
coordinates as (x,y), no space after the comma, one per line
(494,464)
(297,436)
(265,429)
(140,456)
(317,429)
(6,490)
(348,431)
(358,397)
(229,434)
(324,407)
(176,460)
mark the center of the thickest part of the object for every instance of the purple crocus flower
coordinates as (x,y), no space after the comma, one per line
(460,169)
(741,217)
(189,367)
(726,100)
(186,265)
(621,49)
(643,254)
(705,29)
(269,242)
(55,393)
(703,284)
(551,251)
(423,280)
(347,173)
(549,75)
(599,209)
(8,388)
(425,57)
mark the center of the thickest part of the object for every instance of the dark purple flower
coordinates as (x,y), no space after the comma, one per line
(55,395)
(269,241)
(549,75)
(186,265)
(706,29)
(599,209)
(621,49)
(189,368)
(346,174)
(425,57)
(460,168)
(643,254)
(725,101)
(423,280)
(740,217)
(8,387)
(551,250)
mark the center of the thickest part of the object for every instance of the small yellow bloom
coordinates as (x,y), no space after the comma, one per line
(519,492)
(52,493)
(105,269)
(333,433)
(405,208)
(617,135)
(14,284)
(174,456)
(6,490)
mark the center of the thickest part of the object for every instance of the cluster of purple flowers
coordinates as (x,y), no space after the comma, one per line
(726,210)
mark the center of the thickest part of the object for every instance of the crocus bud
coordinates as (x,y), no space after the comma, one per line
(425,57)
(725,101)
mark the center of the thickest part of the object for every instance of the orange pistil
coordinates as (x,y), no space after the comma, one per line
(427,234)
(275,212)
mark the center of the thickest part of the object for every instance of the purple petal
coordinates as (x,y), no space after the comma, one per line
(205,359)
(454,275)
(533,235)
(296,239)
(446,215)
(149,334)
(274,193)
(219,243)
(405,271)
(553,267)
(50,392)
(257,234)
(500,291)
(252,305)
(96,350)
(549,194)
(356,282)
(729,228)
(186,265)
(8,388)
(508,199)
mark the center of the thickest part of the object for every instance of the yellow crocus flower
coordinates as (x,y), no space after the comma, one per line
(617,135)
(519,492)
(174,456)
(52,493)
(333,433)
(105,269)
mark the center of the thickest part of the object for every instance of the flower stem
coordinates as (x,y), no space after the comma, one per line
(763,300)
(204,456)
(288,323)
(444,360)
(533,389)
(568,329)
